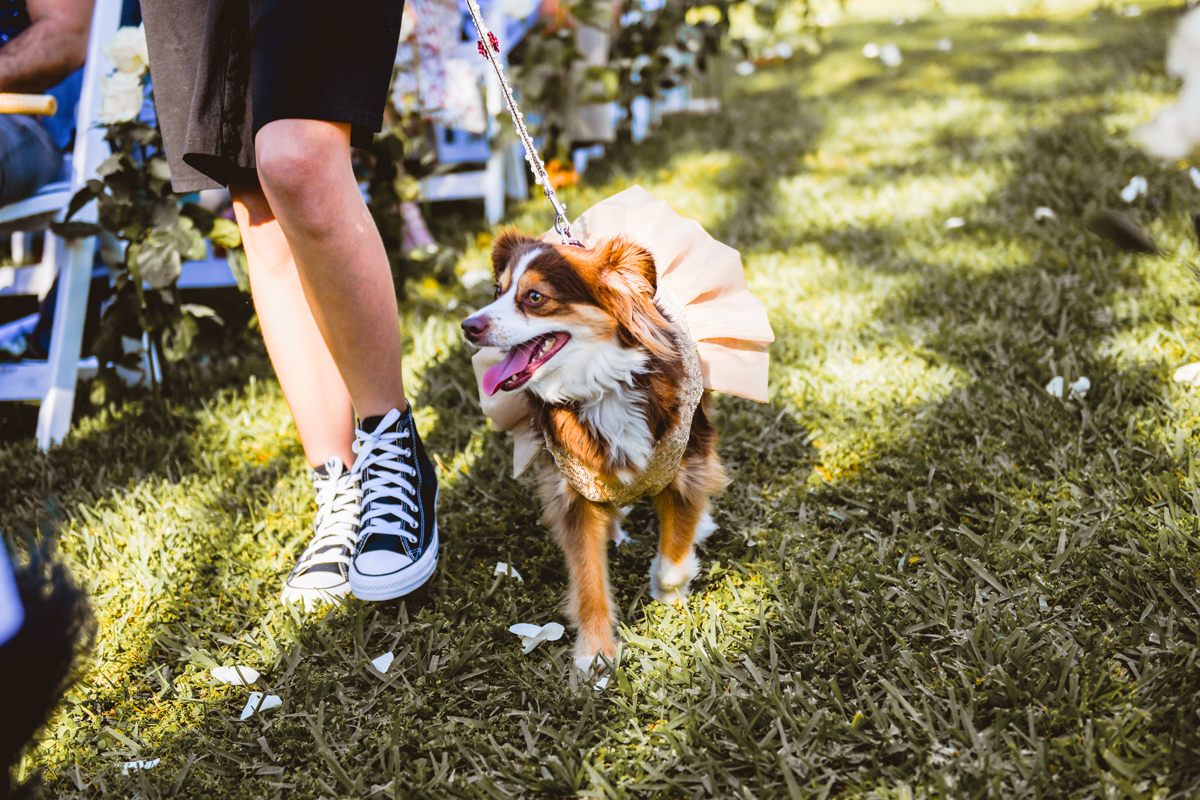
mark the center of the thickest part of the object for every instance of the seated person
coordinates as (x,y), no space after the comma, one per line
(42,43)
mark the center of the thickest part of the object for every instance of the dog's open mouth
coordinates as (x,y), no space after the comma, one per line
(522,361)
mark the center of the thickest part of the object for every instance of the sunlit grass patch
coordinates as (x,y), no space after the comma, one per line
(1039,76)
(930,577)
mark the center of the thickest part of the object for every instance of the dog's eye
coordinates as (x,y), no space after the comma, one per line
(534,298)
(496,292)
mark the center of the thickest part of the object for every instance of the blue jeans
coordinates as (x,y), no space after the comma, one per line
(29,159)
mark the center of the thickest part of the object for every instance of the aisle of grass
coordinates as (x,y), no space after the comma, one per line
(931,578)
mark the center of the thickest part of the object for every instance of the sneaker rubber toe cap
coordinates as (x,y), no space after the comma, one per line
(381,562)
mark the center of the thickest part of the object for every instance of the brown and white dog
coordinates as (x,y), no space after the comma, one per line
(602,368)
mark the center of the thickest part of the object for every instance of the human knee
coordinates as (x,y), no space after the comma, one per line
(296,156)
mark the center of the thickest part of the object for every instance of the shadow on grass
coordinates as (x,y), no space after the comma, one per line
(973,599)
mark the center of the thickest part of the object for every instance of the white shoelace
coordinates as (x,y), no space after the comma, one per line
(336,523)
(381,452)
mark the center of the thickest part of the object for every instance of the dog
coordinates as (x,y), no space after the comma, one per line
(604,370)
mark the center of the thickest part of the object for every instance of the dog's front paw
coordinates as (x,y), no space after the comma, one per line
(669,581)
(588,658)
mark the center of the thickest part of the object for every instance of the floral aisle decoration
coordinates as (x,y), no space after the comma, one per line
(556,69)
(584,53)
(154,232)
(662,44)
(430,85)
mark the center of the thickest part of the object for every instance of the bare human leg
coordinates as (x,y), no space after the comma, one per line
(316,394)
(306,176)
(310,380)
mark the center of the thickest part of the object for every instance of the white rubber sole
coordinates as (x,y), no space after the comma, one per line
(397,584)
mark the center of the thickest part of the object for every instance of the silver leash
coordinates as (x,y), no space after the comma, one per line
(489,47)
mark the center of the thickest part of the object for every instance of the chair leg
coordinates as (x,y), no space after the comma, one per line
(66,340)
(493,189)
(515,183)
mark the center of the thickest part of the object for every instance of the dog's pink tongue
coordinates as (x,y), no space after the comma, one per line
(517,359)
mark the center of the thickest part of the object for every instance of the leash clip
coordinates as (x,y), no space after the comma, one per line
(564,230)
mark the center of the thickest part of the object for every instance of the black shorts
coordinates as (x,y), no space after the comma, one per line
(224,68)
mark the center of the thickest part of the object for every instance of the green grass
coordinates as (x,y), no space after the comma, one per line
(931,578)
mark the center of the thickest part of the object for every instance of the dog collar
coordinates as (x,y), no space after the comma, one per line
(668,453)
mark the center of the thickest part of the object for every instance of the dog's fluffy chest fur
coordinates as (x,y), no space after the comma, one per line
(600,389)
(596,408)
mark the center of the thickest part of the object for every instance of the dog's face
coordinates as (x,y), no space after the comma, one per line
(568,317)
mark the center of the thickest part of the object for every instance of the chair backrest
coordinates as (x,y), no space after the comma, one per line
(90,147)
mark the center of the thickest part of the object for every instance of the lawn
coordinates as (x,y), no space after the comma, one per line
(931,578)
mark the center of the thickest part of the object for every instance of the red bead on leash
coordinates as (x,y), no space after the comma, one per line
(492,40)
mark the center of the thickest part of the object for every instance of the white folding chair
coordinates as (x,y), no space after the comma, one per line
(504,171)
(53,381)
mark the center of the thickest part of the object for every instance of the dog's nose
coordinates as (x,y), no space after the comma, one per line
(475,327)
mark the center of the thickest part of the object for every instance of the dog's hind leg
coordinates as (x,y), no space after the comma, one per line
(683,513)
(582,529)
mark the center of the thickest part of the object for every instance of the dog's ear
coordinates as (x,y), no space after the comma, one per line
(627,282)
(507,243)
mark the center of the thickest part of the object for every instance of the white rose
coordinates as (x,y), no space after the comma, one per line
(408,25)
(517,9)
(126,50)
(120,97)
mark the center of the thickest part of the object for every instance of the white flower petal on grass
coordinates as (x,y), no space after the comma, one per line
(384,662)
(236,676)
(601,684)
(889,54)
(260,703)
(1032,40)
(1079,388)
(128,765)
(871,50)
(533,635)
(944,45)
(955,222)
(1044,212)
(1137,186)
(505,569)
(1189,373)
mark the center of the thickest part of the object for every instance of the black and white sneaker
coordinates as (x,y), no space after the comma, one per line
(397,535)
(321,574)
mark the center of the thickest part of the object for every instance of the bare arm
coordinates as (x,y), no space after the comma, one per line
(50,49)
